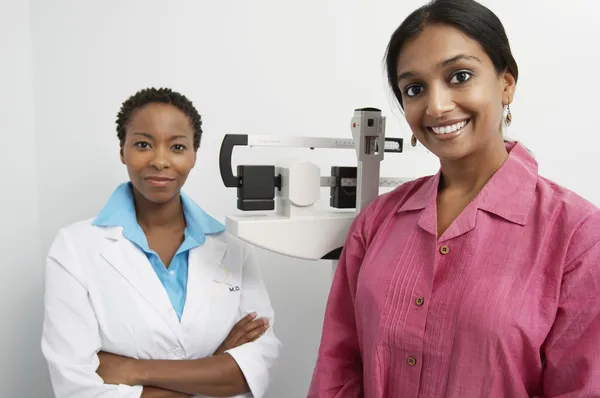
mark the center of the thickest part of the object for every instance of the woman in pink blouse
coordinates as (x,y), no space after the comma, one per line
(482,280)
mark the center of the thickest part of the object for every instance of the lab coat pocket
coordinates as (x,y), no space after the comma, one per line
(225,302)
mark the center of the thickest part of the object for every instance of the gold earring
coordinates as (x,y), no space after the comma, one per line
(508,119)
(413,140)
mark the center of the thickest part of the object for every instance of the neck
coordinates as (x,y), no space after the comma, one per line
(468,175)
(159,215)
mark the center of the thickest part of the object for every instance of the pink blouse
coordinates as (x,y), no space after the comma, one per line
(506,303)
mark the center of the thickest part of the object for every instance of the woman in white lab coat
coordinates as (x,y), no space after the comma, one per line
(151,298)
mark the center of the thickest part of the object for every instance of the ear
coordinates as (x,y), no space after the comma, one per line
(509,86)
(121,154)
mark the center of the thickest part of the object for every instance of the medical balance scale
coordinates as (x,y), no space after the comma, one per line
(278,201)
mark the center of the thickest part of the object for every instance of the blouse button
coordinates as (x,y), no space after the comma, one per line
(411,361)
(444,250)
(419,301)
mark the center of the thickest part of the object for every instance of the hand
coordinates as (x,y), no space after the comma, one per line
(248,329)
(115,369)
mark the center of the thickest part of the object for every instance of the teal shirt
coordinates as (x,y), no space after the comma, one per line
(120,211)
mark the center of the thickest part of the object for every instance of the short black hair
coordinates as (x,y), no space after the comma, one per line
(158,95)
(468,16)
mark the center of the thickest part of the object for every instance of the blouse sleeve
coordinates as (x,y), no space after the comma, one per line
(70,337)
(572,349)
(338,371)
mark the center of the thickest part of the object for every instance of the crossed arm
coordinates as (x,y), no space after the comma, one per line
(215,376)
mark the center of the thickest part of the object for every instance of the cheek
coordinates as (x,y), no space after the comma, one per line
(184,163)
(134,161)
(484,100)
(414,117)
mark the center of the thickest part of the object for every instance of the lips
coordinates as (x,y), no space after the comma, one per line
(160,178)
(159,181)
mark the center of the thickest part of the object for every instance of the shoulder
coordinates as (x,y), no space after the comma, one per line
(83,230)
(230,247)
(395,199)
(71,246)
(555,202)
(81,226)
(416,191)
(565,222)
(555,197)
(570,218)
(81,235)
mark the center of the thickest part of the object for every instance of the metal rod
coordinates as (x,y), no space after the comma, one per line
(351,182)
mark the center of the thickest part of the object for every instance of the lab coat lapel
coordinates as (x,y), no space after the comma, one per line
(204,262)
(132,264)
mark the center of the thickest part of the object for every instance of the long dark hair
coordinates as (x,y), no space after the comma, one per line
(470,17)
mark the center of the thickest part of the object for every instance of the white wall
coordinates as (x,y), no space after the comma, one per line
(270,67)
(22,370)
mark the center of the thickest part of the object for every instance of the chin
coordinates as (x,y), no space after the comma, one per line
(447,150)
(454,149)
(449,154)
(159,197)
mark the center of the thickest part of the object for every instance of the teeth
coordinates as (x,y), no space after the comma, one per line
(449,129)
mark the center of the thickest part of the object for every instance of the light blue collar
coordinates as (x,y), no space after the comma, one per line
(120,211)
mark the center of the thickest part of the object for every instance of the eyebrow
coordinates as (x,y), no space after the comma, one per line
(449,61)
(147,135)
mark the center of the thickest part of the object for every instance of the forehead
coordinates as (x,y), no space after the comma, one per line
(158,118)
(437,43)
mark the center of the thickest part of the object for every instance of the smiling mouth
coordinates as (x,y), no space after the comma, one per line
(448,129)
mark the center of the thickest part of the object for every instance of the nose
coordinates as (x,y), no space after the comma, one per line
(160,161)
(439,101)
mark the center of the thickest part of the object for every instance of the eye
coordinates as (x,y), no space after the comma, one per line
(460,77)
(179,147)
(142,145)
(413,90)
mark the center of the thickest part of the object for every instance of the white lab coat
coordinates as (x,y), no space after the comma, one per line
(103,295)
